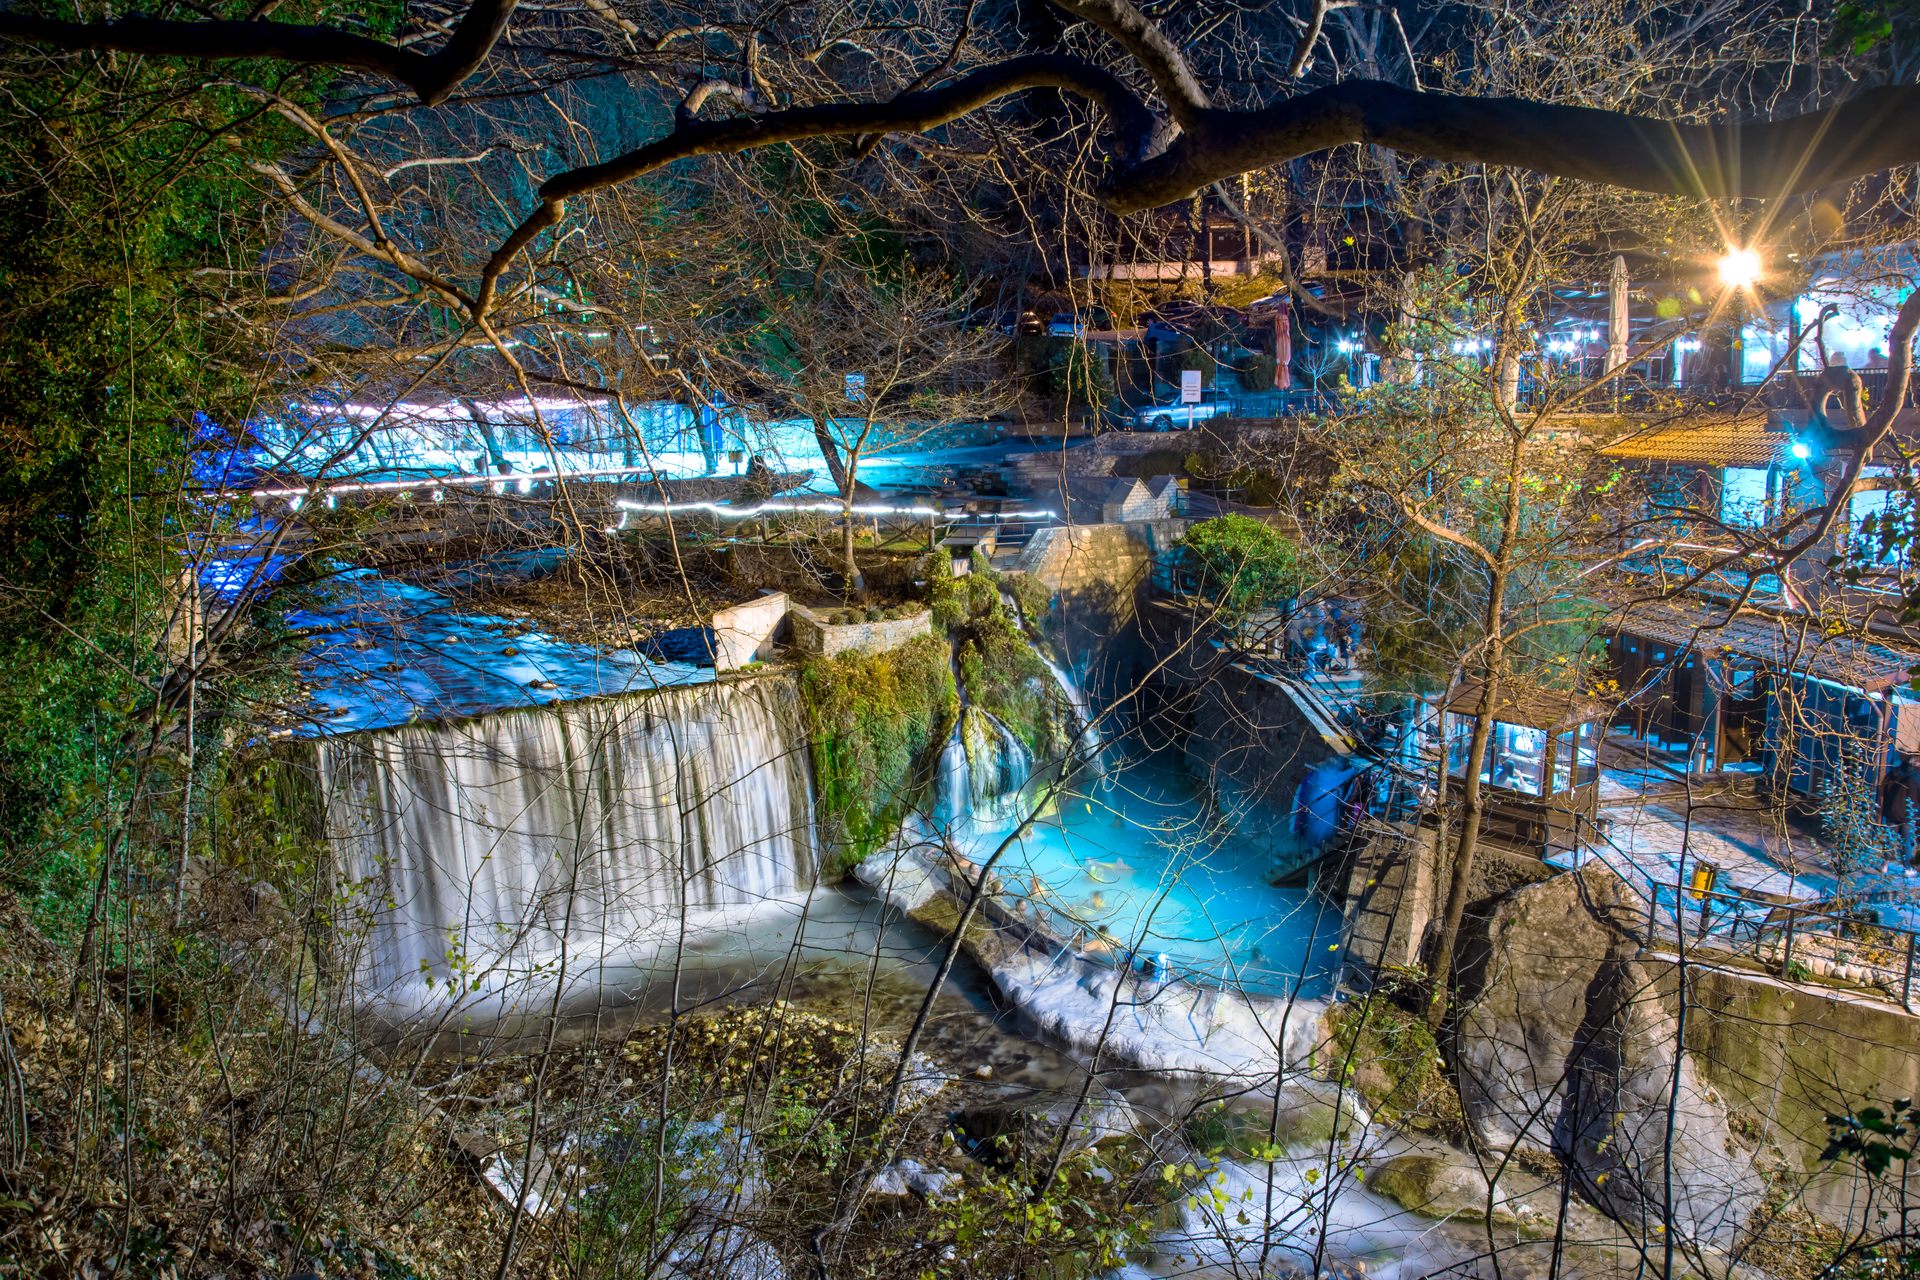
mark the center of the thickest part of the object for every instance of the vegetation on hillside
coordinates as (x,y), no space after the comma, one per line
(1002,671)
(871,721)
(121,364)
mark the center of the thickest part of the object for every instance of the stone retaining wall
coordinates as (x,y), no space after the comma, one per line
(1787,1055)
(746,632)
(1108,558)
(817,638)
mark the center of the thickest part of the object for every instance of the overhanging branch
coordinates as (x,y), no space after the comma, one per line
(433,77)
(1873,130)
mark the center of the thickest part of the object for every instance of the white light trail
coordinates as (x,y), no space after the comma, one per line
(521,479)
(832,508)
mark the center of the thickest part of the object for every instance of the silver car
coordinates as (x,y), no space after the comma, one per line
(1171,417)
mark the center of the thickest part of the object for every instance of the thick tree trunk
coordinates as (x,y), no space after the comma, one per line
(851,567)
(842,471)
(1440,973)
(831,452)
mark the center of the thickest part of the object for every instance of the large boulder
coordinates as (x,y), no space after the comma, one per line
(1563,1043)
(1436,1186)
(1314,1112)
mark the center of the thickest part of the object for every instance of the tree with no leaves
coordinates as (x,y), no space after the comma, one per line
(1164,143)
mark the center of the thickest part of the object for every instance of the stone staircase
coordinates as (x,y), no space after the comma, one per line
(1341,689)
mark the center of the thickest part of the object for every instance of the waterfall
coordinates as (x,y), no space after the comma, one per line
(474,858)
(1086,740)
(983,769)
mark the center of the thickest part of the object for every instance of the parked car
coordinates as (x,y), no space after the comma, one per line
(1026,325)
(1068,324)
(1170,417)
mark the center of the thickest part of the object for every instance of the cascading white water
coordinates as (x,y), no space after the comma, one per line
(983,769)
(1086,741)
(476,858)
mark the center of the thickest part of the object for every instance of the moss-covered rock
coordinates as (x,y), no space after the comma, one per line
(1388,1055)
(1437,1186)
(998,663)
(872,724)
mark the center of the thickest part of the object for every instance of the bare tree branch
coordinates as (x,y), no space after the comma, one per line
(431,76)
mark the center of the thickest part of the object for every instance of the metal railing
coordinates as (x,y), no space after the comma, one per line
(1799,941)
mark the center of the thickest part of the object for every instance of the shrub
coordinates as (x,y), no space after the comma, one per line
(1195,358)
(1240,564)
(1079,375)
(1257,373)
(875,614)
(1034,596)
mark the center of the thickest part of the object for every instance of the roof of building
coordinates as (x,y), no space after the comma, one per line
(1742,441)
(1784,641)
(1527,705)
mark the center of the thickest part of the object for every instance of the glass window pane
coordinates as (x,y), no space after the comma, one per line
(1589,754)
(1459,738)
(1563,761)
(1515,758)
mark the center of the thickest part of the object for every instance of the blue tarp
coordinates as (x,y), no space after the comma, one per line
(1316,807)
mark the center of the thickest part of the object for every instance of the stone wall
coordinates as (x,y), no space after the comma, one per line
(746,632)
(1103,559)
(1786,1056)
(1140,500)
(1391,898)
(1396,887)
(815,637)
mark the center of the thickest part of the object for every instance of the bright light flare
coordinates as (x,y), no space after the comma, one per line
(1740,269)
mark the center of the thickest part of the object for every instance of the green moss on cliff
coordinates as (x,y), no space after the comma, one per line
(1005,676)
(1002,672)
(871,721)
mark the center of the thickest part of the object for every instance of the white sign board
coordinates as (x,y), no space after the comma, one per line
(856,386)
(1189,386)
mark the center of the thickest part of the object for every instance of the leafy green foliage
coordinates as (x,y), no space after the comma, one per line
(1240,564)
(1084,1225)
(1860,28)
(113,361)
(1873,1137)
(1421,618)
(871,719)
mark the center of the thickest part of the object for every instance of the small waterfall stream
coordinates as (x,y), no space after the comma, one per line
(983,770)
(1086,736)
(472,857)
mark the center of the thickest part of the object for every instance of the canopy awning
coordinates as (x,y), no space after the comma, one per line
(1784,642)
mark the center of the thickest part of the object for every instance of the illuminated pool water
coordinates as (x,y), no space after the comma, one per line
(1135,865)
